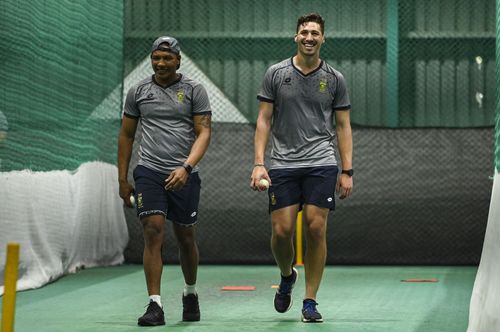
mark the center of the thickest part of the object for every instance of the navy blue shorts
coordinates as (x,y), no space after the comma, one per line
(151,197)
(307,185)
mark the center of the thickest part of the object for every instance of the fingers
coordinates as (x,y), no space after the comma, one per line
(259,174)
(344,192)
(261,185)
(126,194)
(344,187)
(254,184)
(176,180)
(174,184)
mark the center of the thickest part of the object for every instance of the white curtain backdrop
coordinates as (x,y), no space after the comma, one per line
(62,220)
(484,313)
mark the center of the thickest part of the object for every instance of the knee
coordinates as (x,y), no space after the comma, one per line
(281,233)
(153,233)
(186,242)
(316,230)
(186,238)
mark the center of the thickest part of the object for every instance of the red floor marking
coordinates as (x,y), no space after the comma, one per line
(238,288)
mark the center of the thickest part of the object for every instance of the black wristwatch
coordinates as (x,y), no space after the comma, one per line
(349,172)
(188,168)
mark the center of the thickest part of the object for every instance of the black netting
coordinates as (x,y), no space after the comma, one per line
(421,197)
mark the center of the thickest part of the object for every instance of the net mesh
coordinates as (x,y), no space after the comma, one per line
(61,66)
(497,132)
(425,68)
(61,83)
(447,60)
(405,209)
(439,55)
(408,64)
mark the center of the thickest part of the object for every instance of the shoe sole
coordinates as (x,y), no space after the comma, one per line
(191,318)
(145,323)
(305,320)
(291,298)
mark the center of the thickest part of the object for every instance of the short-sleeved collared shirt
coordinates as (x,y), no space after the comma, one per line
(303,131)
(166,116)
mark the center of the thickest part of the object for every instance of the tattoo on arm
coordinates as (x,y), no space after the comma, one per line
(206,120)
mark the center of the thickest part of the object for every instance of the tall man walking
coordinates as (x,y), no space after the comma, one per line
(299,100)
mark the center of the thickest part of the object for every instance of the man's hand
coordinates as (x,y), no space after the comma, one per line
(126,190)
(344,186)
(259,172)
(177,179)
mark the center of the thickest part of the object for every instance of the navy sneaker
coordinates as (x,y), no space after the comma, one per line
(309,312)
(153,317)
(190,308)
(283,297)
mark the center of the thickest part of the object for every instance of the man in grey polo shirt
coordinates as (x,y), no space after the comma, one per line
(299,101)
(175,116)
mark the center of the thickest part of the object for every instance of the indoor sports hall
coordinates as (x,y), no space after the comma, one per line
(414,249)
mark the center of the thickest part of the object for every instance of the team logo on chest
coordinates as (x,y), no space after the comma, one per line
(322,85)
(180,96)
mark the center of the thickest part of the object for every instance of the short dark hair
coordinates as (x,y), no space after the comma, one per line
(311,17)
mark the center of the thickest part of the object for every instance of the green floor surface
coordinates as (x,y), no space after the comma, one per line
(351,299)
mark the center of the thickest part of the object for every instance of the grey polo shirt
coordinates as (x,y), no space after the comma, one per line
(166,116)
(303,131)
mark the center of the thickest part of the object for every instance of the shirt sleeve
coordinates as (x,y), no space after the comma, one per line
(341,99)
(130,108)
(267,92)
(201,103)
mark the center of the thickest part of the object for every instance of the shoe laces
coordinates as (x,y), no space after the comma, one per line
(152,305)
(190,299)
(310,305)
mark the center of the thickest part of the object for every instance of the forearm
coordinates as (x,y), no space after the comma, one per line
(124,154)
(199,148)
(344,139)
(261,138)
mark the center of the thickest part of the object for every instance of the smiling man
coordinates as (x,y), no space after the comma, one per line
(300,100)
(175,115)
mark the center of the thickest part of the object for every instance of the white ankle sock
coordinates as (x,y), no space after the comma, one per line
(157,299)
(189,289)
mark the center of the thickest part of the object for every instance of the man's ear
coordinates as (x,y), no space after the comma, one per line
(295,38)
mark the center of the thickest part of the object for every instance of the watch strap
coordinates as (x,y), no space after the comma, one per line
(188,168)
(349,172)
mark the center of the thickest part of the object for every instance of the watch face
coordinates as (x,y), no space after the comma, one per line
(349,172)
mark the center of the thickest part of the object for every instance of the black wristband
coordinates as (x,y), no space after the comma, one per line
(188,168)
(349,172)
(262,165)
